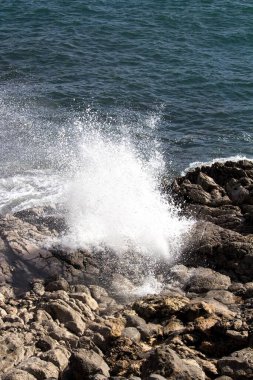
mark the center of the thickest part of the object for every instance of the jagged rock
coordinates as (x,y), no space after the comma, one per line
(60,284)
(164,361)
(159,306)
(205,279)
(147,330)
(45,343)
(18,374)
(223,296)
(98,292)
(86,299)
(221,248)
(239,365)
(86,364)
(66,315)
(39,368)
(58,356)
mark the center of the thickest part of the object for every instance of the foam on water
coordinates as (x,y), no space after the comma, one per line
(30,189)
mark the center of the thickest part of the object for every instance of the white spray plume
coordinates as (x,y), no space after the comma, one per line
(113,201)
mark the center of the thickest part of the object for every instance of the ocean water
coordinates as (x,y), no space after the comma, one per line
(99,99)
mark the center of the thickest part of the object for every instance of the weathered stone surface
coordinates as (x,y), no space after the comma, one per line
(164,361)
(163,306)
(227,250)
(39,368)
(58,356)
(85,364)
(18,374)
(239,365)
(66,315)
(205,279)
(132,333)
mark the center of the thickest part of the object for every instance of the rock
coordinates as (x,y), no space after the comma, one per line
(147,330)
(227,250)
(248,290)
(45,343)
(237,193)
(204,279)
(25,259)
(173,327)
(165,362)
(66,315)
(38,288)
(58,356)
(239,365)
(159,306)
(86,299)
(155,376)
(39,368)
(223,296)
(12,350)
(207,183)
(98,292)
(18,374)
(132,333)
(116,325)
(60,284)
(86,364)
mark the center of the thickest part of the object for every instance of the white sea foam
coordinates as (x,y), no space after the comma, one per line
(114,201)
(30,189)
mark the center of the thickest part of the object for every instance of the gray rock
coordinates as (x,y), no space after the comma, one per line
(58,356)
(239,365)
(165,362)
(98,292)
(86,299)
(132,333)
(60,284)
(204,279)
(39,368)
(223,296)
(66,315)
(86,364)
(18,374)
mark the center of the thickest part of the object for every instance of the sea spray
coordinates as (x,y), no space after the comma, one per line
(114,201)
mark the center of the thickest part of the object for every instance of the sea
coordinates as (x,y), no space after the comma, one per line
(100,100)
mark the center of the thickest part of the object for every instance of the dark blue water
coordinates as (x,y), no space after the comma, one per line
(180,72)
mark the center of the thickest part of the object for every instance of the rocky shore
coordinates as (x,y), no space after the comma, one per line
(66,314)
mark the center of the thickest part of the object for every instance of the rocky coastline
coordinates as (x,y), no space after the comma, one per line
(64,314)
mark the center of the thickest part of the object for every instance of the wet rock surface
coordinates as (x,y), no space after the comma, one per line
(61,316)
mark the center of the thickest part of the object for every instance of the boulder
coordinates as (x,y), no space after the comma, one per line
(18,374)
(204,279)
(86,364)
(165,362)
(39,368)
(159,306)
(66,315)
(239,365)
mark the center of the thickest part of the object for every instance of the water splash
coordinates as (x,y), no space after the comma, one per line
(114,200)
